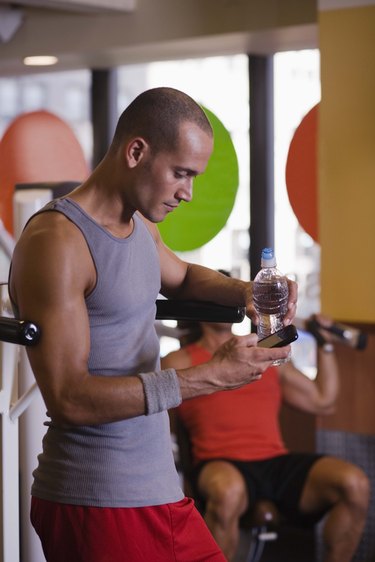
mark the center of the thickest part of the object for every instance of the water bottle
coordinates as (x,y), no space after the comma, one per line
(270,296)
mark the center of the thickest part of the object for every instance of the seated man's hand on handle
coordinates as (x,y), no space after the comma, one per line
(325,322)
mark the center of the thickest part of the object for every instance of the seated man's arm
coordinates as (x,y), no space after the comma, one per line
(316,396)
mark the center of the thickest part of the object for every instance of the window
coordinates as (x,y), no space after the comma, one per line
(297,90)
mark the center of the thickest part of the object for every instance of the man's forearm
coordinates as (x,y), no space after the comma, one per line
(205,284)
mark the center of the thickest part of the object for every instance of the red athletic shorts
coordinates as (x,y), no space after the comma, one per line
(173,532)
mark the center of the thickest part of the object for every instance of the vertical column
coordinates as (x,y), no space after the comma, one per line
(103,110)
(261,158)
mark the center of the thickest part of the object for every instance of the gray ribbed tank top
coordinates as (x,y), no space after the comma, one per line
(127,463)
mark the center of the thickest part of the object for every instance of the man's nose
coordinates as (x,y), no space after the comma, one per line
(185,192)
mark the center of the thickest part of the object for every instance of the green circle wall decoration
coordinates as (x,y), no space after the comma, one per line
(194,224)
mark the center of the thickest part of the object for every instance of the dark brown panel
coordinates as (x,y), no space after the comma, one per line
(356,404)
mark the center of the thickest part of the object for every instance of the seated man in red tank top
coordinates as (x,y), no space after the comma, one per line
(239,455)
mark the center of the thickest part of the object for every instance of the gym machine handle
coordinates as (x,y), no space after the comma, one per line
(23,332)
(198,311)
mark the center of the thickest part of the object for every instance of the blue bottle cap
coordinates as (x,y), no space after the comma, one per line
(268,259)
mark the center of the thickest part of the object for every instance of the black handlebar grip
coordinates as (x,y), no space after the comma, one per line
(198,311)
(24,332)
(21,332)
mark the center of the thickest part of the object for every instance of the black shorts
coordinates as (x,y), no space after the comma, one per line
(279,479)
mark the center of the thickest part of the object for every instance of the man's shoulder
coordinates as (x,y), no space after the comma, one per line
(49,224)
(49,236)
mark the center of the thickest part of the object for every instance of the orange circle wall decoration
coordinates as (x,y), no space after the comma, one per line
(37,147)
(302,173)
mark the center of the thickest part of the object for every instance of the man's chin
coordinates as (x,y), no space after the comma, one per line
(162,215)
(155,218)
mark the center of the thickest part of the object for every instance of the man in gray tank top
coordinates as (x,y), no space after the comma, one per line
(89,268)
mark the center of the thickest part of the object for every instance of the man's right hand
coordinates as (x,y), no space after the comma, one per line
(235,363)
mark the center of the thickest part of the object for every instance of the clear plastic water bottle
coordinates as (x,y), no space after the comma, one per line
(270,296)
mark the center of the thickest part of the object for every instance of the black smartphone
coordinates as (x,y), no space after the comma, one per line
(286,335)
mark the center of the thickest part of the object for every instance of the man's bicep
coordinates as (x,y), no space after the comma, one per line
(48,288)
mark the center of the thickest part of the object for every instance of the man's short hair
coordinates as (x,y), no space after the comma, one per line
(156,115)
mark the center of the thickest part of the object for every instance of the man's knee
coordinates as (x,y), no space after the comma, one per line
(355,486)
(222,483)
(332,480)
(227,499)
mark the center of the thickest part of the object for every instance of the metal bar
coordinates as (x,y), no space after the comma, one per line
(17,409)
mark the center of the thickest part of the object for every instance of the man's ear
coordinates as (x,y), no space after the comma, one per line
(135,151)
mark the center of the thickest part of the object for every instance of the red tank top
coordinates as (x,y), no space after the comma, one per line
(240,424)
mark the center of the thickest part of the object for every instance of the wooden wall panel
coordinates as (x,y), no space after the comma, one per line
(355,410)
